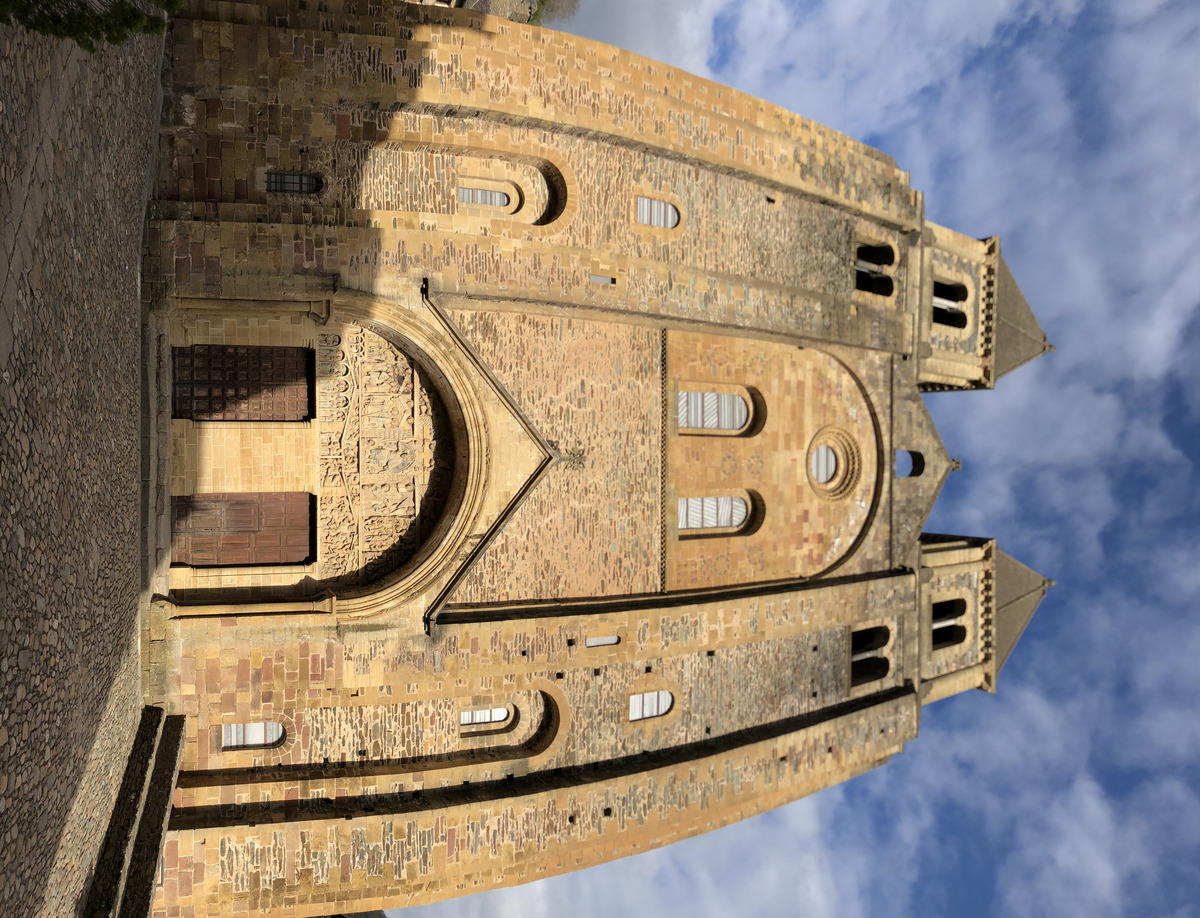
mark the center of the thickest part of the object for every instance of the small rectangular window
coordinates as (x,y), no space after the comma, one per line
(293,183)
(604,640)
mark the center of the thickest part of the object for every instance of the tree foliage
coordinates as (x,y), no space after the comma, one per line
(550,10)
(86,22)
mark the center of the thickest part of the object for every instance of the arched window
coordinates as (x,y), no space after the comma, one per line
(909,464)
(725,411)
(944,616)
(650,704)
(699,513)
(480,716)
(867,662)
(869,273)
(948,609)
(483,196)
(947,304)
(653,212)
(294,183)
(258,735)
(948,636)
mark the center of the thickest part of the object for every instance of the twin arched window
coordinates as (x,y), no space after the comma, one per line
(948,302)
(947,616)
(870,264)
(868,663)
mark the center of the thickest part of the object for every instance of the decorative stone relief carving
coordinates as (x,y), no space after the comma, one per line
(386,455)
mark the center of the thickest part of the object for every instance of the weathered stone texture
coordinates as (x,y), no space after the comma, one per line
(76,133)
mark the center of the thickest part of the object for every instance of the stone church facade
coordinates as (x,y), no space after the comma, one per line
(535,452)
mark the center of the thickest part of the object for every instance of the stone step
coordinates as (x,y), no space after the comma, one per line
(123,882)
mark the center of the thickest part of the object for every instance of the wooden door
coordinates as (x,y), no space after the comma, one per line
(238,382)
(239,530)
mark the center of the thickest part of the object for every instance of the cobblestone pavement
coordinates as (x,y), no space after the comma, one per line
(76,133)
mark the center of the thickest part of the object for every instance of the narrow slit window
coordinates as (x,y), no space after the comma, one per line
(712,411)
(481,716)
(294,183)
(604,640)
(251,736)
(654,212)
(698,513)
(650,704)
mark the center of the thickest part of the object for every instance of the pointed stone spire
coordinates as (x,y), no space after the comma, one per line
(1018,592)
(1018,336)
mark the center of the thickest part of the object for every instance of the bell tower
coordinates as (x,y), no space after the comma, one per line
(973,604)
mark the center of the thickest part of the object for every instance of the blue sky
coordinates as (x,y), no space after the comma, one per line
(1072,130)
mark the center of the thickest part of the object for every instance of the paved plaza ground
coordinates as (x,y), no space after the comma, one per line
(76,138)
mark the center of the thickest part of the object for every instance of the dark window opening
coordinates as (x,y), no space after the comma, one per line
(909,464)
(294,183)
(867,670)
(947,609)
(868,640)
(951,318)
(948,636)
(878,284)
(243,530)
(873,257)
(228,382)
(951,293)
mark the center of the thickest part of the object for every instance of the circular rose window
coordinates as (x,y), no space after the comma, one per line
(833,463)
(823,465)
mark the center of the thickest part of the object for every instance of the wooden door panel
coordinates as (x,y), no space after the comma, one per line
(239,530)
(236,382)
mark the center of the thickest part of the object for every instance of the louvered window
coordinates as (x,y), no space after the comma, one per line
(654,212)
(234,382)
(251,736)
(237,530)
(698,513)
(712,411)
(947,304)
(293,183)
(483,196)
(650,704)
